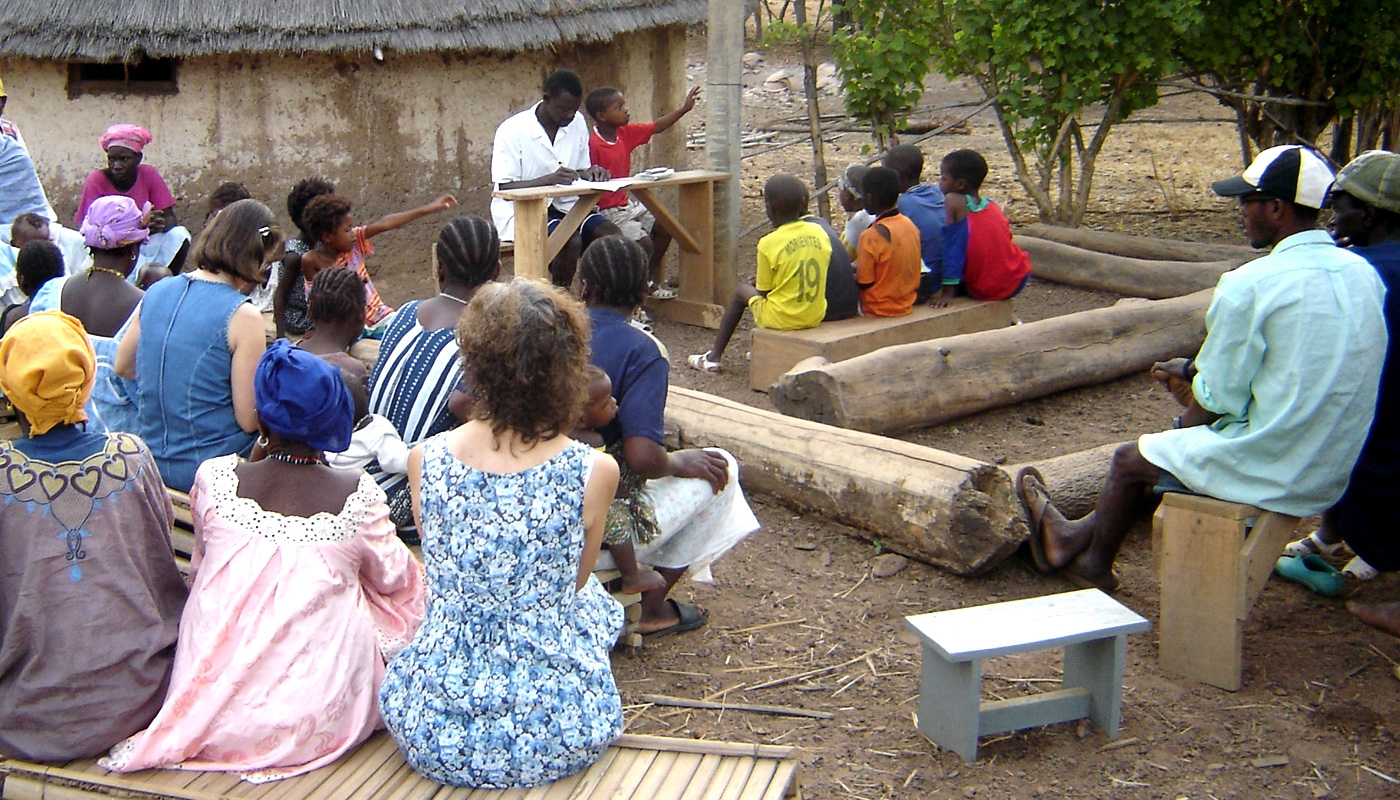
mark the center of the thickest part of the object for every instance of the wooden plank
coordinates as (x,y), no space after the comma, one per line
(1032,711)
(1200,636)
(757,784)
(1259,554)
(656,773)
(678,178)
(215,783)
(703,746)
(699,274)
(1021,626)
(737,779)
(531,243)
(41,776)
(636,772)
(776,352)
(682,770)
(581,784)
(349,772)
(784,781)
(412,787)
(686,312)
(1209,505)
(714,769)
(384,778)
(570,224)
(666,220)
(612,777)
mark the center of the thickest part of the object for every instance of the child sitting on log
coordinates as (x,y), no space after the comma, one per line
(628,519)
(790,290)
(979,257)
(888,262)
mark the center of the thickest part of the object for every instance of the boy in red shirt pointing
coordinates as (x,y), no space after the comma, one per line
(610,146)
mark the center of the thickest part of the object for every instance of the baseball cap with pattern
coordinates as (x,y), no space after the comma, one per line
(1373,178)
(1288,172)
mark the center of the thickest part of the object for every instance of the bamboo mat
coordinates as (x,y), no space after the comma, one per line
(635,768)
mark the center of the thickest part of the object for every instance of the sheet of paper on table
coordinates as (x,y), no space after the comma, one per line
(603,186)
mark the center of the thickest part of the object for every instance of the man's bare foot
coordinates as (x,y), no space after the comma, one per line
(1382,616)
(644,579)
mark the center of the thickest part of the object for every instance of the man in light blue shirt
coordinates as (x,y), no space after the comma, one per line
(1280,397)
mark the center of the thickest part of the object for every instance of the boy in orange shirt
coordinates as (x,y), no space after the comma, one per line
(888,261)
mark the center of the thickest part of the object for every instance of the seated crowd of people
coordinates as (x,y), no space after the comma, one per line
(515,434)
(306,621)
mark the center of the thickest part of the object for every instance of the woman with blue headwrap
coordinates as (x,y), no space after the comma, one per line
(299,593)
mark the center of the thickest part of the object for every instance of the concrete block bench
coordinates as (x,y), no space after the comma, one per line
(775,352)
(1090,626)
(1213,558)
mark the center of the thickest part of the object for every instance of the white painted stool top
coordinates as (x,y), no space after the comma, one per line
(1020,626)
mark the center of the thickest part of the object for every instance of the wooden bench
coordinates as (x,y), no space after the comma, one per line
(182,539)
(1213,558)
(634,768)
(1090,626)
(775,352)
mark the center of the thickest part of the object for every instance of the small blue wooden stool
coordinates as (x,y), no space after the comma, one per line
(1092,628)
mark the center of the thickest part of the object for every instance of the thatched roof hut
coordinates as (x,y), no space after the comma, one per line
(107,30)
(394,99)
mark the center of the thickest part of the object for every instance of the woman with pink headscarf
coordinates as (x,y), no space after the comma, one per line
(126,175)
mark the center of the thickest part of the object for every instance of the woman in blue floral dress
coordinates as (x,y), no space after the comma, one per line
(508,683)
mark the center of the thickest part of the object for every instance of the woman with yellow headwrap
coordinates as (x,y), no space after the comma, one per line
(91,593)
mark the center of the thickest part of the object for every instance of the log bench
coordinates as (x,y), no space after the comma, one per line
(1213,558)
(1091,627)
(634,767)
(775,352)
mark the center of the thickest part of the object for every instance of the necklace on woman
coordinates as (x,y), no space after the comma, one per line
(108,270)
(300,461)
(452,297)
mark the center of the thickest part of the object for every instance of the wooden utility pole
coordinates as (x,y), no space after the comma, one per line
(814,111)
(723,131)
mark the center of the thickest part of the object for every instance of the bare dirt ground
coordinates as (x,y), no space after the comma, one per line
(798,596)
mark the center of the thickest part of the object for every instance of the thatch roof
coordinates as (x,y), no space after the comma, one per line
(113,30)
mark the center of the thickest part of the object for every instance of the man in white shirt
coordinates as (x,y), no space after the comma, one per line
(547,145)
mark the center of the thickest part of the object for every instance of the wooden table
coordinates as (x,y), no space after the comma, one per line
(691,226)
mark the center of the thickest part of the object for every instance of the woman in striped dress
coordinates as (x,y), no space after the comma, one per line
(418,368)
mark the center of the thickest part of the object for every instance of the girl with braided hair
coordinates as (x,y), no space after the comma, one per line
(336,307)
(418,369)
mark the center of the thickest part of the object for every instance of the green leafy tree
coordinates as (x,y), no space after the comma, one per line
(1291,69)
(1060,76)
(883,56)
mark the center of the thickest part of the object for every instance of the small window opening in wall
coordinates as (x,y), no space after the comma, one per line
(145,76)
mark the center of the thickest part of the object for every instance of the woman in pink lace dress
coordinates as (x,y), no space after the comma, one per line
(299,593)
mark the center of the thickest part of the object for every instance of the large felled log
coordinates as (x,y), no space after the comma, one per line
(928,383)
(1122,244)
(1074,479)
(1133,277)
(941,508)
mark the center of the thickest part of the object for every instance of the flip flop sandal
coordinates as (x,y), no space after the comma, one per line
(690,618)
(1358,569)
(1312,545)
(702,362)
(1312,572)
(1085,582)
(1035,515)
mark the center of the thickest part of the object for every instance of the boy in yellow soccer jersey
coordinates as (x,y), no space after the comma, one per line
(791,284)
